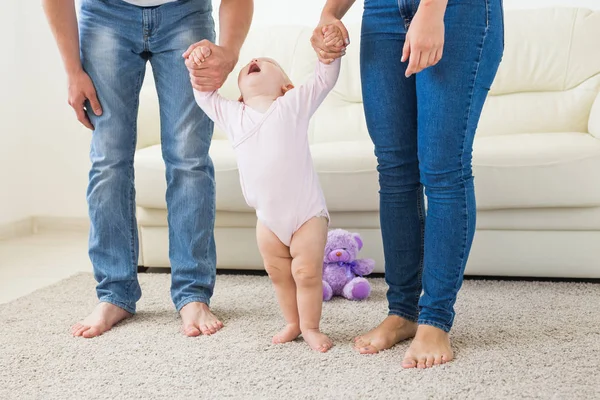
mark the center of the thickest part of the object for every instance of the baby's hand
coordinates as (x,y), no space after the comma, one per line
(333,38)
(199,54)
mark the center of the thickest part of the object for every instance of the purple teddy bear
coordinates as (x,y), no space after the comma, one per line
(342,272)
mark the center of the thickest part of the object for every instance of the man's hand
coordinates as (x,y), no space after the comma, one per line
(212,72)
(81,89)
(424,42)
(325,41)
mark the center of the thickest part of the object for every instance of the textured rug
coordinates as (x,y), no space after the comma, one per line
(512,340)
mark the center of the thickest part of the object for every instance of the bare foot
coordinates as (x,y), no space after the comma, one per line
(197,319)
(316,340)
(431,346)
(392,330)
(287,334)
(102,319)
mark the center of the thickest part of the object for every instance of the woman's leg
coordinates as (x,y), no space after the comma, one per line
(391,115)
(278,264)
(450,98)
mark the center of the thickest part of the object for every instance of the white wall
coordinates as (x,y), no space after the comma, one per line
(15,168)
(54,141)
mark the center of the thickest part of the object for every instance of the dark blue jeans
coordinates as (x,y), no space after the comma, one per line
(423,129)
(117,40)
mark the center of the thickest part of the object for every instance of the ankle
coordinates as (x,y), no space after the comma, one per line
(428,331)
(311,329)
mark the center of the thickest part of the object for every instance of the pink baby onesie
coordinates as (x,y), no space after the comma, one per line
(276,171)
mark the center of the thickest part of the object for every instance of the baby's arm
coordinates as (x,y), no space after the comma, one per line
(311,94)
(217,108)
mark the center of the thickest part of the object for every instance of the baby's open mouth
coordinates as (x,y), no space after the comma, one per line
(253,68)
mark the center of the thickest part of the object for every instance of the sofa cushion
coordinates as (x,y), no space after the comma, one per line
(151,184)
(342,167)
(537,170)
(511,171)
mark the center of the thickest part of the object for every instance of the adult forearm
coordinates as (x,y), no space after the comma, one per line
(235,17)
(336,9)
(63,23)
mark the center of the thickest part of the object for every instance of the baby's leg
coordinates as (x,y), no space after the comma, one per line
(278,263)
(306,249)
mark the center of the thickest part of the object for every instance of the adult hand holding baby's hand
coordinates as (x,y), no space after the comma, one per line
(329,39)
(209,65)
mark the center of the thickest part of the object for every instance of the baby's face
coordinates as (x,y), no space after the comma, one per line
(262,76)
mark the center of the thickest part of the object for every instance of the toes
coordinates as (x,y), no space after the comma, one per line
(368,349)
(360,342)
(79,332)
(409,362)
(429,362)
(421,363)
(216,326)
(191,331)
(76,327)
(437,360)
(204,329)
(93,331)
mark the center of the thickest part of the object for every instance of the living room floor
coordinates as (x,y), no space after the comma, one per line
(32,262)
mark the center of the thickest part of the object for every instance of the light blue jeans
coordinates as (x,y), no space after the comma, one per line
(423,129)
(117,39)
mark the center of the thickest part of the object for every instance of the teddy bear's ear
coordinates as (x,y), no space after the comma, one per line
(359,241)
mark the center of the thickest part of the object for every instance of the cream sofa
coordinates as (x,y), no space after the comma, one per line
(536,158)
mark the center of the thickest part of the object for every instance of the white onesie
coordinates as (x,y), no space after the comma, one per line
(276,171)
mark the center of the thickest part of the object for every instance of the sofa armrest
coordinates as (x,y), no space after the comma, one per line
(594,121)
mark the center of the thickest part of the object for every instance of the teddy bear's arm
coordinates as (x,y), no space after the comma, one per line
(364,267)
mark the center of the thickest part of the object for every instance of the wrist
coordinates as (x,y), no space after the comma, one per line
(327,16)
(73,72)
(232,54)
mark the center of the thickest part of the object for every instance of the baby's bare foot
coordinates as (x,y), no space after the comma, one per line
(287,334)
(431,346)
(392,330)
(316,340)
(197,319)
(102,319)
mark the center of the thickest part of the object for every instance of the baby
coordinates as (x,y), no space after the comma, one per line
(268,128)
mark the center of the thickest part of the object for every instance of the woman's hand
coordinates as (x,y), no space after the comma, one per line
(326,42)
(424,43)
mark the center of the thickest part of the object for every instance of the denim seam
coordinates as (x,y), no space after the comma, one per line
(422,252)
(444,327)
(133,225)
(467,119)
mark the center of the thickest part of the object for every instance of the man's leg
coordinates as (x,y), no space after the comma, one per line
(112,58)
(186,134)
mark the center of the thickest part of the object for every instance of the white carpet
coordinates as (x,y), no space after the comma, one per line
(512,340)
